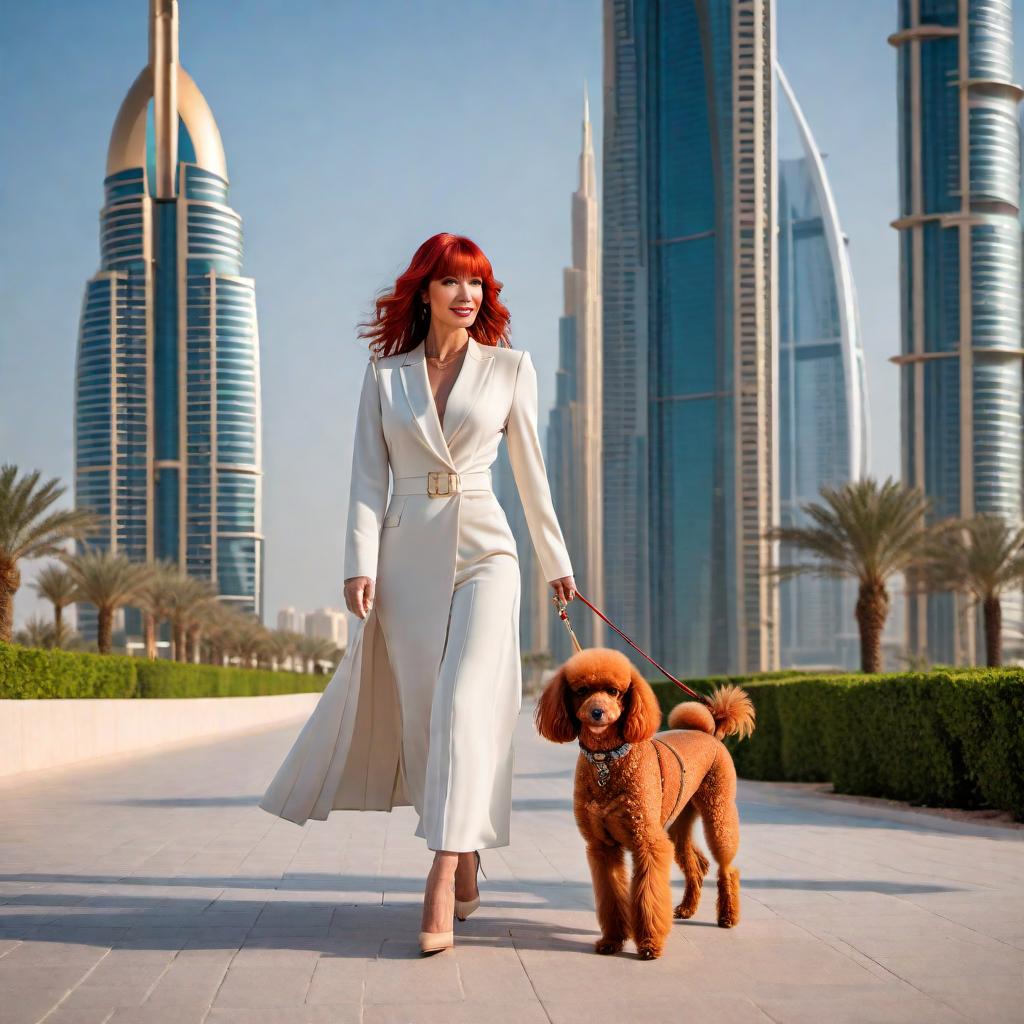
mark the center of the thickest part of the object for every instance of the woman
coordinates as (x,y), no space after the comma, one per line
(422,708)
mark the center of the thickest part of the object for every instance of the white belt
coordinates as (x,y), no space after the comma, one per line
(441,483)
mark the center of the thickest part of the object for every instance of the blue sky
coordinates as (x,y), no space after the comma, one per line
(353,131)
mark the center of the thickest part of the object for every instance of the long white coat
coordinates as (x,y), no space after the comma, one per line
(348,754)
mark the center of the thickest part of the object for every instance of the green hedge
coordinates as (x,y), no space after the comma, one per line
(28,673)
(174,679)
(949,739)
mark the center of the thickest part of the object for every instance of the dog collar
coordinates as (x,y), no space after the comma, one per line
(600,759)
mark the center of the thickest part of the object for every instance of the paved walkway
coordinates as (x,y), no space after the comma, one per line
(153,889)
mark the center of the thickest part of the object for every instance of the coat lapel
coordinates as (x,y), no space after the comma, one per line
(465,392)
(469,386)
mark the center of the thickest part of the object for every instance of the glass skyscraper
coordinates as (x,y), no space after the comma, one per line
(167,383)
(690,458)
(960,265)
(823,419)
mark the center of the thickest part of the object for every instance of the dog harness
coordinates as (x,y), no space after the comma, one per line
(673,773)
(670,765)
(600,759)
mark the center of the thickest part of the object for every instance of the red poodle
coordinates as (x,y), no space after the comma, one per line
(642,792)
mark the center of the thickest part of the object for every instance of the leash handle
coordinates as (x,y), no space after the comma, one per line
(560,607)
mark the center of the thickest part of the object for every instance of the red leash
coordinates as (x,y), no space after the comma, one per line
(560,606)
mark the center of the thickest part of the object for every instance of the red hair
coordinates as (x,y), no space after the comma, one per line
(400,320)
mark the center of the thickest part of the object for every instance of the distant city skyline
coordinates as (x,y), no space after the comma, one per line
(377,171)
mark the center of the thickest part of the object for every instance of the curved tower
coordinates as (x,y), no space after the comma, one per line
(167,382)
(960,265)
(823,421)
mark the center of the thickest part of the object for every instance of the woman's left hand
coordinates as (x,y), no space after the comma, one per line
(565,588)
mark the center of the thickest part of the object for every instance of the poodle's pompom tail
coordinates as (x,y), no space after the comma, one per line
(691,715)
(733,711)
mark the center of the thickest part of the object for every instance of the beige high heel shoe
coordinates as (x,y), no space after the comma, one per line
(435,942)
(463,908)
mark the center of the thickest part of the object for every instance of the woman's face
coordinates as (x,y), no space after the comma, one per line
(454,301)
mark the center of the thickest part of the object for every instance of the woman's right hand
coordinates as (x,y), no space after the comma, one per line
(359,595)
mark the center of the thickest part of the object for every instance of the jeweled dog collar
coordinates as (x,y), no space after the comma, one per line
(600,759)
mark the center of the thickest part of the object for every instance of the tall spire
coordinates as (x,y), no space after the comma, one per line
(163,62)
(588,180)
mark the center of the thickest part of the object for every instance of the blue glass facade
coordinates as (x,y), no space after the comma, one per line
(167,405)
(624,268)
(688,325)
(960,254)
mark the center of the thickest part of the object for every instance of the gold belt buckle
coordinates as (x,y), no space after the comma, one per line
(441,483)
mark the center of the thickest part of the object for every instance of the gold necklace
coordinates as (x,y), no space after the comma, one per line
(440,363)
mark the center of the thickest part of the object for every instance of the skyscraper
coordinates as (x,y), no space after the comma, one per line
(574,432)
(167,383)
(689,250)
(960,267)
(823,421)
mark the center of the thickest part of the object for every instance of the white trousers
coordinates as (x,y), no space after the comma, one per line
(458,721)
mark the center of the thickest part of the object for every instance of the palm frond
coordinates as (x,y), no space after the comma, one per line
(861,529)
(26,531)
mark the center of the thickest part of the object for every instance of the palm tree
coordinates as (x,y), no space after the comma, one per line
(221,621)
(109,581)
(155,599)
(38,632)
(280,646)
(246,638)
(54,583)
(189,597)
(983,555)
(867,531)
(28,529)
(323,651)
(314,652)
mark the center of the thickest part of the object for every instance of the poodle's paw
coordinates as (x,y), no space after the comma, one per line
(606,946)
(648,950)
(728,913)
(686,908)
(728,905)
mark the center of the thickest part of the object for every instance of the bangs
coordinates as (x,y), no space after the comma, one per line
(463,260)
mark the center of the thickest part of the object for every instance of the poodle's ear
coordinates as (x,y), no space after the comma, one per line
(553,715)
(643,713)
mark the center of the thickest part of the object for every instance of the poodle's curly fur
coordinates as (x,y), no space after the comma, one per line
(599,697)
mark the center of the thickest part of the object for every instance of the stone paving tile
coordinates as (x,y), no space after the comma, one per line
(95,1003)
(28,1005)
(339,1014)
(487,1012)
(267,986)
(170,898)
(338,981)
(178,1014)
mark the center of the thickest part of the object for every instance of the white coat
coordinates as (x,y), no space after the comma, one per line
(350,754)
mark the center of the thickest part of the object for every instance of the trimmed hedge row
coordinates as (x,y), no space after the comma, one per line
(28,673)
(948,739)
